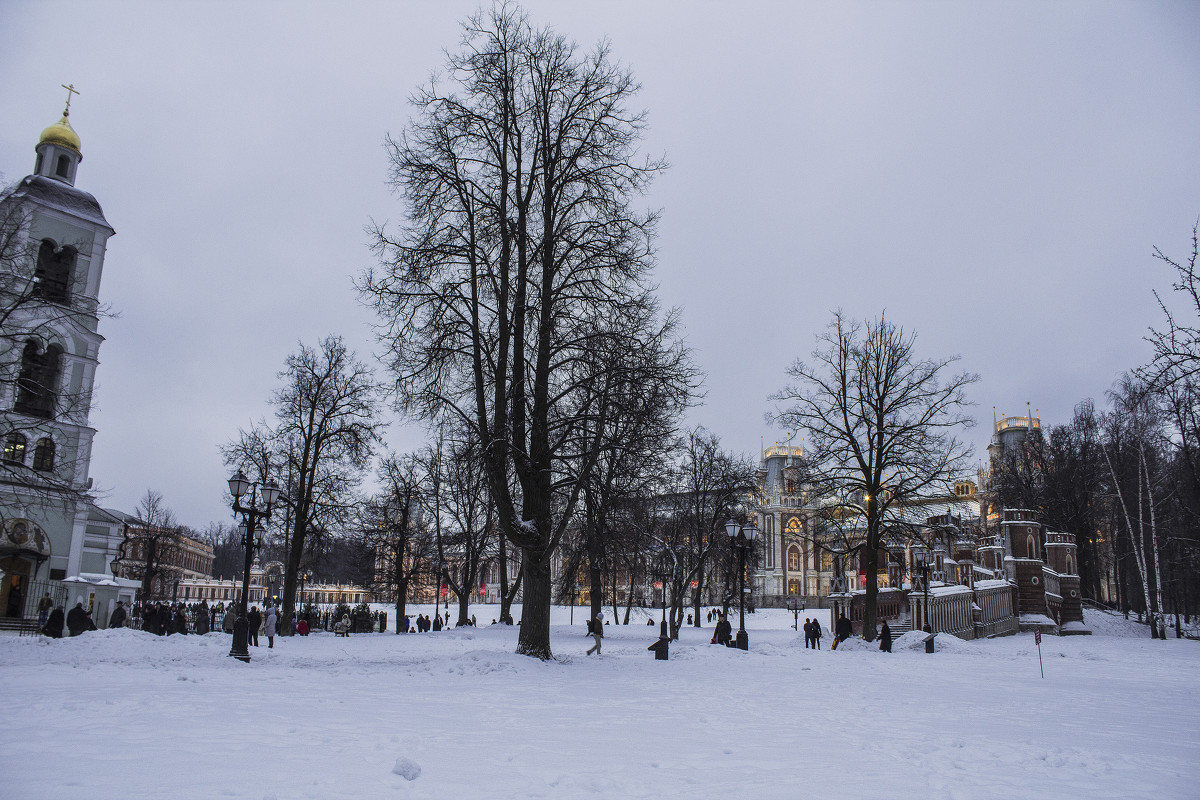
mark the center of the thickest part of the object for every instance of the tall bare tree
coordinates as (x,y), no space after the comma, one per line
(327,425)
(520,249)
(880,424)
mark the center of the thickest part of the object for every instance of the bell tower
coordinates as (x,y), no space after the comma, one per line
(56,236)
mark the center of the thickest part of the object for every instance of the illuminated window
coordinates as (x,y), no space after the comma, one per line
(14,448)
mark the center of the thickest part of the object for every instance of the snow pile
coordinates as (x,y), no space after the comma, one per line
(407,768)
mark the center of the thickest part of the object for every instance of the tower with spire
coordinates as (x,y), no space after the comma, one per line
(52,246)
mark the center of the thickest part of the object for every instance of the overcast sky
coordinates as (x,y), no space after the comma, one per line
(994,175)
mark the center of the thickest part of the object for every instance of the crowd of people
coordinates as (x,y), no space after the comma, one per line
(423,624)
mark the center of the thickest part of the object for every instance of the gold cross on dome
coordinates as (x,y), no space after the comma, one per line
(70,91)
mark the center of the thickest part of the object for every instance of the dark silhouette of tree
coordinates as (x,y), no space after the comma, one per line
(521,256)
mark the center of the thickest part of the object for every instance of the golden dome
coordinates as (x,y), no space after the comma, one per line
(61,134)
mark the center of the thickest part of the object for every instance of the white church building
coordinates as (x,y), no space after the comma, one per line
(53,539)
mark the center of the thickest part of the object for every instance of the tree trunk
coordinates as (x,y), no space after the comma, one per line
(1158,583)
(534,638)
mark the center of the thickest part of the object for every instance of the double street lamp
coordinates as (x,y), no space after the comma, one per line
(258,508)
(742,537)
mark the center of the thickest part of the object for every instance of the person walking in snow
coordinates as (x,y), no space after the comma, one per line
(597,634)
(254,620)
(885,638)
(271,621)
(77,619)
(229,619)
(816,634)
(724,632)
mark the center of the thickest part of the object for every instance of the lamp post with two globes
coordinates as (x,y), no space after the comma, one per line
(252,513)
(742,537)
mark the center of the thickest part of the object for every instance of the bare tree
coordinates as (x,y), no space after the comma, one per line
(393,525)
(1134,428)
(706,487)
(880,425)
(151,547)
(520,249)
(464,541)
(327,424)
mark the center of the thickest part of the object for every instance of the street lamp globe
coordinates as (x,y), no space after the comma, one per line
(239,484)
(271,492)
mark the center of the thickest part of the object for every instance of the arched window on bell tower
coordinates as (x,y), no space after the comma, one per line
(37,387)
(55,270)
(43,455)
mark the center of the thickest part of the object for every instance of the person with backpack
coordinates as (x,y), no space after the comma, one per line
(597,634)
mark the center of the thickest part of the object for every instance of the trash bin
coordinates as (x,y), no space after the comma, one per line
(929,637)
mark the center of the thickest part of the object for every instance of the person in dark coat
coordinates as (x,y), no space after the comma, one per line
(77,621)
(117,620)
(162,619)
(406,623)
(807,633)
(202,618)
(843,628)
(437,622)
(724,631)
(816,634)
(54,623)
(597,635)
(885,638)
(254,620)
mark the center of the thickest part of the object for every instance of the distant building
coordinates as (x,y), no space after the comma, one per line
(160,558)
(960,563)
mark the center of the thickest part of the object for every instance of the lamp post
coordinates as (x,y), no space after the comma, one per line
(921,562)
(304,578)
(445,579)
(741,537)
(251,513)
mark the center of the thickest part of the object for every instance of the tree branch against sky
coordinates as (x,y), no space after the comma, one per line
(881,426)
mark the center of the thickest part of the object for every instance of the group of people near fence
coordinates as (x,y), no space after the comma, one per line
(53,619)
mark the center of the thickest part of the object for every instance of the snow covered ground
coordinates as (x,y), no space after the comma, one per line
(456,714)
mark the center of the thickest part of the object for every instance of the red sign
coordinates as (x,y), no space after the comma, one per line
(695,584)
(445,591)
(482,589)
(658,584)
